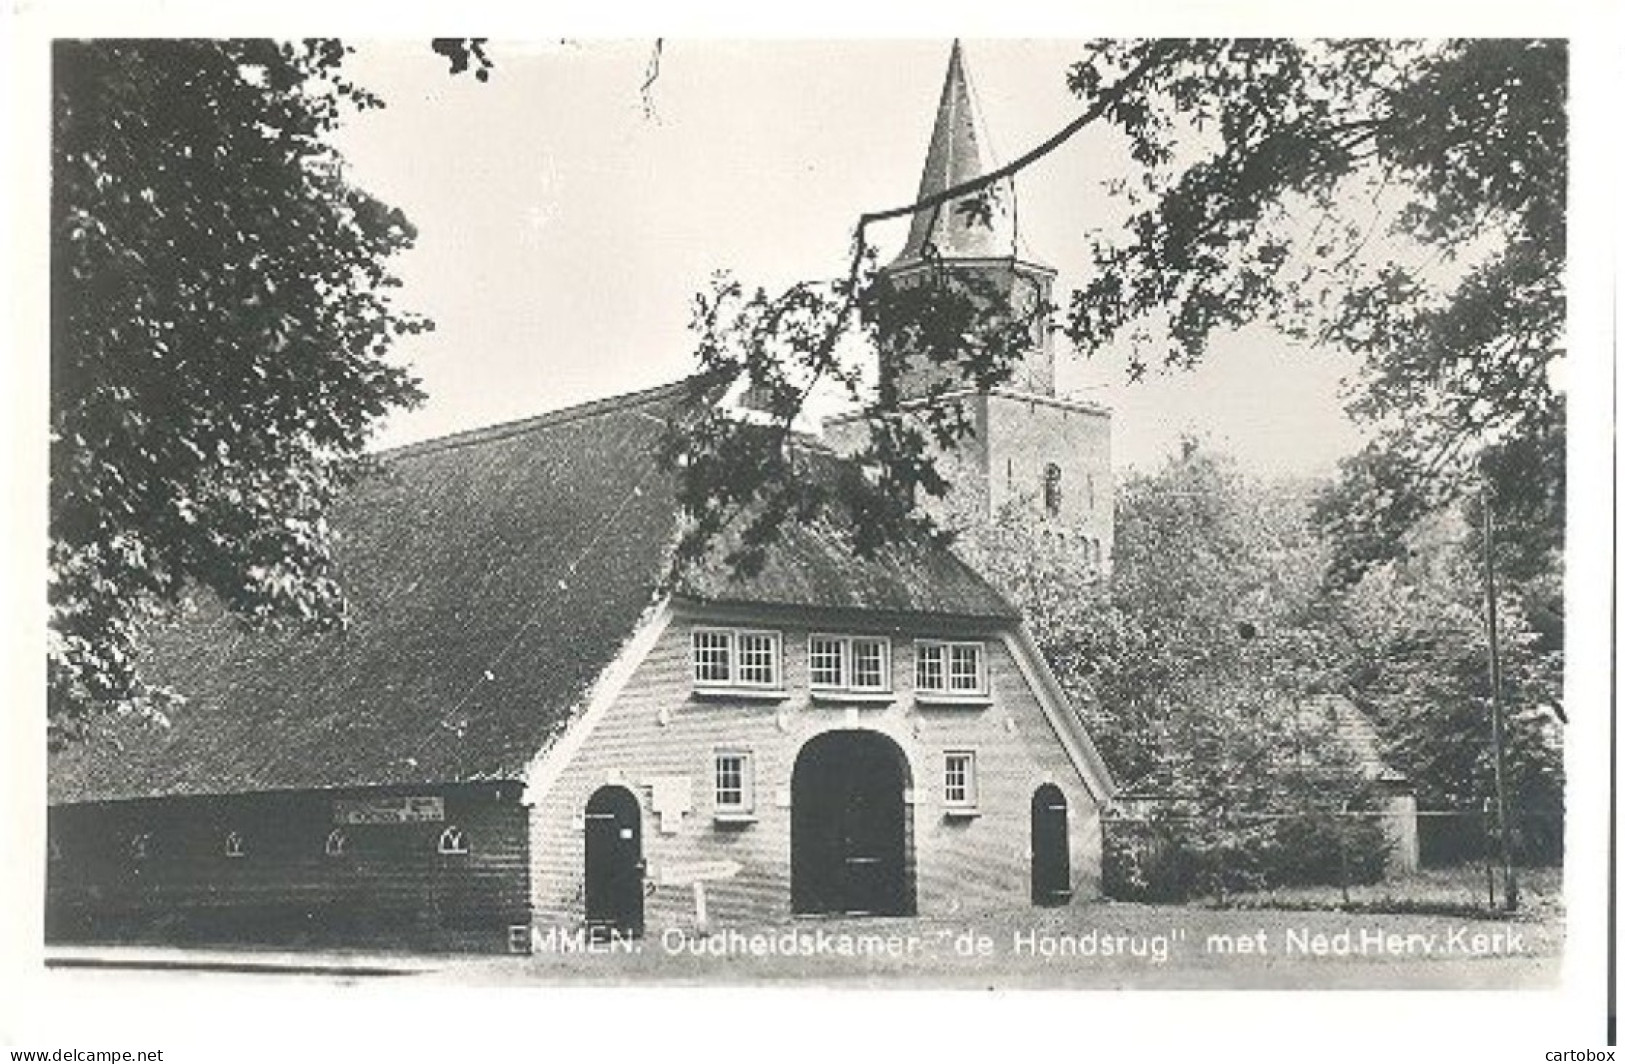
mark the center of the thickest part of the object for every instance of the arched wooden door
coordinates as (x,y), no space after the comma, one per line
(1052,859)
(849,829)
(614,889)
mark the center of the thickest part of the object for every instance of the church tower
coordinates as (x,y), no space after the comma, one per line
(1031,448)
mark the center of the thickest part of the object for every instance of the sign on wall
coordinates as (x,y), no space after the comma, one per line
(402,810)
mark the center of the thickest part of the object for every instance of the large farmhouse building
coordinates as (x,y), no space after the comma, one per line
(526,722)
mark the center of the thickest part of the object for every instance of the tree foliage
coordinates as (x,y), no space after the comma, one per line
(1416,656)
(465,55)
(1200,667)
(1194,660)
(738,477)
(1403,200)
(221,314)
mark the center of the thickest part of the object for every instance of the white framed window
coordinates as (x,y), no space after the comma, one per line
(965,668)
(235,845)
(737,658)
(453,840)
(713,656)
(959,779)
(140,845)
(337,844)
(735,791)
(871,664)
(930,667)
(826,661)
(951,669)
(849,663)
(758,659)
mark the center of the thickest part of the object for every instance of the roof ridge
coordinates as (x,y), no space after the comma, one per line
(548,419)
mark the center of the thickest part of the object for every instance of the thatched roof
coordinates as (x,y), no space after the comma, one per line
(492,576)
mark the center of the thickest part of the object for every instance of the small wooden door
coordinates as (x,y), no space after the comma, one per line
(614,871)
(1052,859)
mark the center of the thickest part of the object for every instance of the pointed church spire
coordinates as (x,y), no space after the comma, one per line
(959,152)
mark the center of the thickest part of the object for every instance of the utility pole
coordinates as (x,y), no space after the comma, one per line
(1497,723)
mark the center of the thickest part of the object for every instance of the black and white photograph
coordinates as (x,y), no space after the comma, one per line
(820,519)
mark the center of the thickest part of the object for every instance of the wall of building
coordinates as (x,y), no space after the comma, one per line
(1399,824)
(1024,435)
(1010,282)
(390,886)
(1015,437)
(659,730)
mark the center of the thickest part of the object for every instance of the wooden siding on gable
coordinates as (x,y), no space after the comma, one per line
(658,731)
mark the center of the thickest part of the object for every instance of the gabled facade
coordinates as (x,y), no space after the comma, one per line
(803,759)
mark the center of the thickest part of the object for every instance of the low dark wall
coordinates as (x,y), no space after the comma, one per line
(390,887)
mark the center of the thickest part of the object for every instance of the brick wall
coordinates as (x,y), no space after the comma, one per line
(389,887)
(1014,438)
(1025,435)
(918,375)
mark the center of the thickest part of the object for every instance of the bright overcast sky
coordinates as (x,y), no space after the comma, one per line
(563,231)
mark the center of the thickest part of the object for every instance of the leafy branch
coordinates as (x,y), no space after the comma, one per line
(742,479)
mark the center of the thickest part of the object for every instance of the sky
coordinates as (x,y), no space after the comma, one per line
(566,220)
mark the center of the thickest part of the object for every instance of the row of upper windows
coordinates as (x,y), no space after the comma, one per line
(754,659)
(734,793)
(453,840)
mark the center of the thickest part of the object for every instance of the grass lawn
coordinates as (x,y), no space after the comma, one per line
(1100,945)
(1447,891)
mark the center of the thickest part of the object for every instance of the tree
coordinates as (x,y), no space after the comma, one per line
(1199,664)
(1418,661)
(1189,660)
(1265,174)
(1454,296)
(221,313)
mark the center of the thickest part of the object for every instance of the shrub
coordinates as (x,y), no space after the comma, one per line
(1166,859)
(1317,849)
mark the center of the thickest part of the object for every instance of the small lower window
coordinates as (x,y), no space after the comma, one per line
(735,786)
(235,846)
(959,779)
(140,845)
(453,840)
(337,843)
